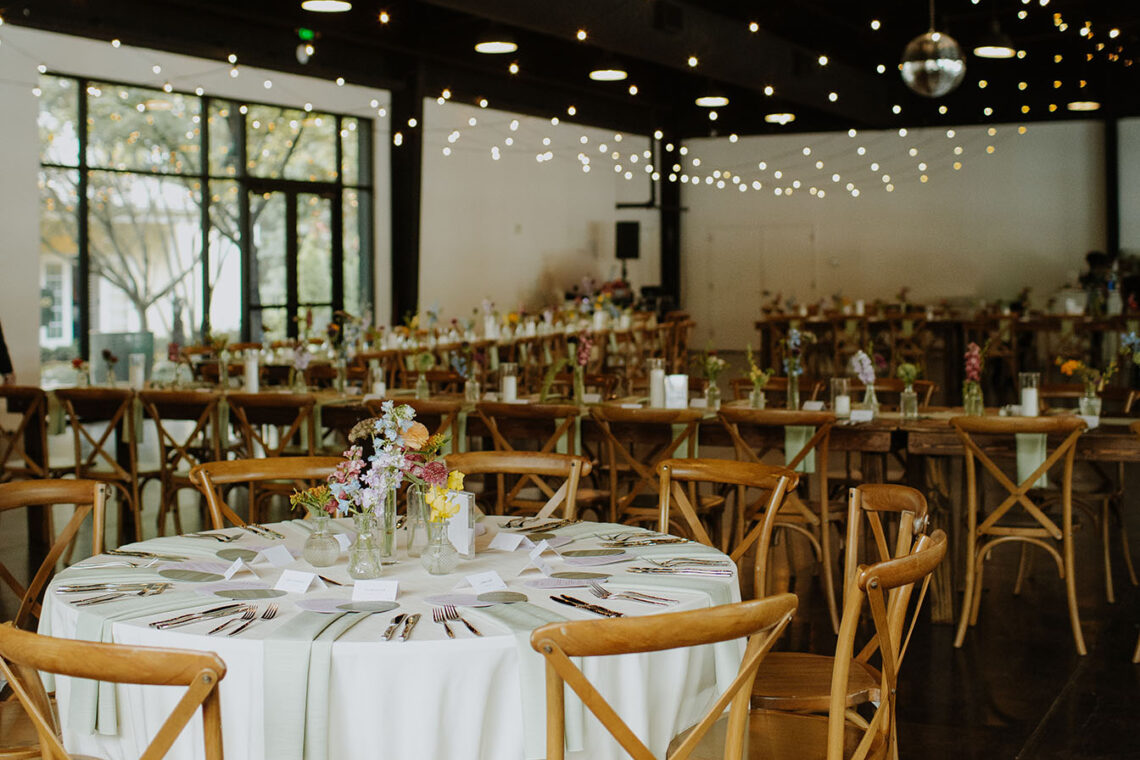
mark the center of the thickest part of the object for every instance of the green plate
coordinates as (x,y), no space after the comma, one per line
(190,576)
(579,575)
(536,537)
(502,597)
(245,555)
(367,606)
(250,593)
(593,552)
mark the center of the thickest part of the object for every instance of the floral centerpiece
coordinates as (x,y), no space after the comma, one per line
(109,362)
(710,365)
(759,378)
(908,399)
(793,349)
(580,348)
(1095,379)
(863,368)
(972,385)
(321,548)
(82,372)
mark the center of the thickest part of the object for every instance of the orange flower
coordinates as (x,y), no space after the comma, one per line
(416,436)
(1071,366)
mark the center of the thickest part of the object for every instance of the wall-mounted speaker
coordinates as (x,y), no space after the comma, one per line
(628,240)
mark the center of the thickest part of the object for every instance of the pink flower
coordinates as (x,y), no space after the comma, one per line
(434,473)
(585,344)
(973,363)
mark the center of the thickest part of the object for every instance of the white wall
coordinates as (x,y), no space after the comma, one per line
(1023,215)
(22,50)
(516,230)
(1129,135)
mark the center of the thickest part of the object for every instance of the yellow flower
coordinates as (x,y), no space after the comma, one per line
(442,508)
(1071,366)
(455,480)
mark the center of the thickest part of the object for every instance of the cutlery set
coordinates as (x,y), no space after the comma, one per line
(709,572)
(221,537)
(145,555)
(247,613)
(409,623)
(633,596)
(448,612)
(597,609)
(262,531)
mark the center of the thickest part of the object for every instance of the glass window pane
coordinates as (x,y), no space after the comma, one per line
(225,131)
(59,268)
(59,121)
(267,222)
(350,151)
(225,259)
(146,130)
(145,242)
(355,286)
(291,144)
(314,249)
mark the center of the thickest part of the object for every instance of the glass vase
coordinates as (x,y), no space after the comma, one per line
(364,554)
(439,557)
(579,385)
(416,521)
(471,391)
(712,396)
(321,548)
(972,403)
(908,403)
(757,399)
(871,401)
(1089,404)
(341,381)
(423,390)
(223,373)
(386,528)
(793,390)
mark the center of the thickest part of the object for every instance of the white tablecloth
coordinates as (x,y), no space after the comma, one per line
(426,698)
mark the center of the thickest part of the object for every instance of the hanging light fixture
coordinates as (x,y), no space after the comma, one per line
(712,98)
(496,42)
(932,63)
(995,43)
(609,71)
(326,6)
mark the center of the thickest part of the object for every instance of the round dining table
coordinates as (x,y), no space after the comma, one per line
(317,679)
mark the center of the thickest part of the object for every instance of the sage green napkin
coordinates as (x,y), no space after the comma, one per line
(795,438)
(1031,452)
(320,668)
(565,442)
(693,443)
(522,619)
(287,655)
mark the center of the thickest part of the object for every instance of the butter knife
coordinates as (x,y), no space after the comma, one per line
(225,609)
(409,625)
(571,601)
(390,631)
(145,555)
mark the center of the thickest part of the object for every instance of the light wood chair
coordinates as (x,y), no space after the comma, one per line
(761,621)
(801,681)
(337,421)
(988,530)
(531,468)
(758,514)
(269,423)
(102,422)
(89,498)
(24,655)
(16,461)
(180,451)
(887,590)
(295,472)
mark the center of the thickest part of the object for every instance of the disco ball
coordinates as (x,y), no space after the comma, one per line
(933,64)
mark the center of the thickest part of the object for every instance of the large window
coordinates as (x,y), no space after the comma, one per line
(167,215)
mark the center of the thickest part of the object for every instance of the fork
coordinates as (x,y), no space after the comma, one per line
(687,561)
(438,617)
(249,614)
(222,537)
(450,613)
(602,593)
(269,614)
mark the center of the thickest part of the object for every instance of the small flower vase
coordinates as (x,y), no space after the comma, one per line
(870,401)
(321,548)
(298,381)
(416,521)
(223,372)
(423,390)
(471,391)
(712,396)
(341,380)
(757,399)
(579,384)
(439,557)
(364,554)
(1089,404)
(82,378)
(109,379)
(793,390)
(972,403)
(908,403)
(386,528)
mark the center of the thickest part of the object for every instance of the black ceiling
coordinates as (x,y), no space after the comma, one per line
(428,45)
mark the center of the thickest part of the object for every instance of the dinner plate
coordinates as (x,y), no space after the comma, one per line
(190,576)
(245,555)
(592,552)
(502,597)
(242,594)
(580,575)
(367,606)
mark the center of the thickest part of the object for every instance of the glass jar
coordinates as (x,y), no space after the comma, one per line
(756,398)
(712,396)
(1089,404)
(321,548)
(364,554)
(793,388)
(972,403)
(423,390)
(579,384)
(341,381)
(416,521)
(871,401)
(386,528)
(439,557)
(908,403)
(471,391)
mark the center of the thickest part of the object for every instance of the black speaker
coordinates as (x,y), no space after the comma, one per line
(628,240)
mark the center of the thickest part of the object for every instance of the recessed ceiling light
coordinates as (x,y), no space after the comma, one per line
(496,42)
(712,101)
(326,6)
(609,73)
(779,118)
(1083,105)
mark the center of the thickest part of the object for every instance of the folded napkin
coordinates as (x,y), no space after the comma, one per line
(566,443)
(320,668)
(521,619)
(693,443)
(1031,452)
(795,438)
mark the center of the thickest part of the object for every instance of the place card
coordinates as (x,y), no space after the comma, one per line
(461,527)
(676,391)
(536,559)
(343,540)
(238,566)
(591,398)
(507,542)
(277,555)
(813,406)
(699,403)
(862,415)
(375,590)
(295,581)
(486,582)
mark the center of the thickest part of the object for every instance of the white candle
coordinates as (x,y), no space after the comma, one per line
(599,320)
(657,388)
(136,374)
(490,327)
(1029,402)
(842,406)
(379,387)
(509,388)
(860,307)
(252,373)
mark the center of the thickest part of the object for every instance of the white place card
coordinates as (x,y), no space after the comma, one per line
(460,528)
(375,590)
(862,415)
(295,581)
(699,403)
(676,391)
(541,548)
(276,555)
(507,542)
(237,567)
(343,540)
(591,398)
(813,406)
(485,582)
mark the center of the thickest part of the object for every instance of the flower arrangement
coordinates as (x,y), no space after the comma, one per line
(793,349)
(318,501)
(465,362)
(585,346)
(975,360)
(908,373)
(78,364)
(863,368)
(301,358)
(710,365)
(1093,378)
(758,377)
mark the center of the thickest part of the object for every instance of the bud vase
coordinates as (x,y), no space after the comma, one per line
(386,528)
(871,401)
(757,399)
(908,403)
(321,548)
(1089,404)
(364,554)
(793,390)
(972,403)
(439,557)
(471,391)
(423,390)
(579,385)
(416,521)
(712,396)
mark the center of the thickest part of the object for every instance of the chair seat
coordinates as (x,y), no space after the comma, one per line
(776,735)
(802,681)
(18,737)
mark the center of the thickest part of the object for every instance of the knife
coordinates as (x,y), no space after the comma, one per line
(571,601)
(225,609)
(145,555)
(390,631)
(409,624)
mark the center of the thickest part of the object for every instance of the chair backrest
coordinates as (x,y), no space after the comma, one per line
(208,476)
(88,496)
(15,459)
(866,506)
(24,655)
(761,621)
(286,413)
(184,450)
(887,590)
(95,415)
(547,424)
(532,467)
(337,421)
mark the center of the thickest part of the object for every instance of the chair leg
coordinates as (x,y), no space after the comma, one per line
(828,576)
(1022,569)
(1124,544)
(1104,518)
(1136,654)
(1071,592)
(979,575)
(967,603)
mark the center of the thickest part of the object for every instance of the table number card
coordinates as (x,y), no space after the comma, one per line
(343,540)
(862,415)
(486,582)
(295,581)
(375,590)
(461,527)
(276,555)
(507,542)
(676,391)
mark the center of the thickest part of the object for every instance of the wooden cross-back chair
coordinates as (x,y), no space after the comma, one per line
(443,414)
(987,530)
(530,467)
(605,385)
(755,433)
(549,425)
(385,359)
(761,621)
(102,423)
(887,589)
(24,655)
(623,431)
(89,498)
(337,421)
(294,472)
(15,459)
(741,477)
(269,423)
(180,451)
